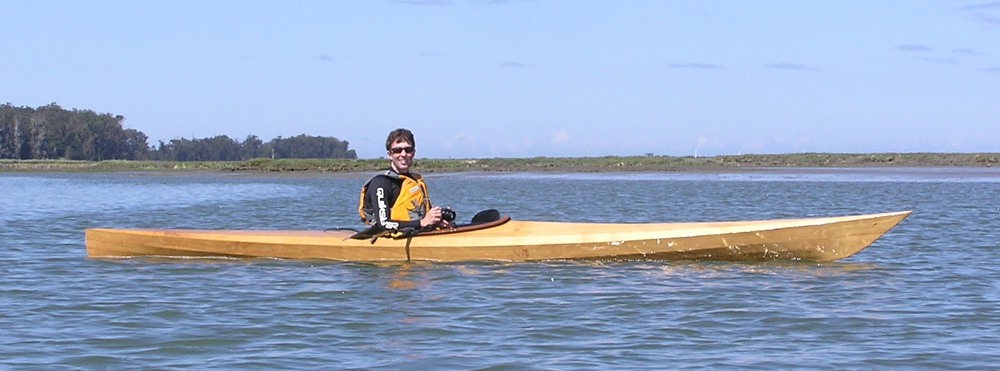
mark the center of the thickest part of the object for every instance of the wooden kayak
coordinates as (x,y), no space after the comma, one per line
(811,239)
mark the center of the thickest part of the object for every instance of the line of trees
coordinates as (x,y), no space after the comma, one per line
(224,148)
(51,132)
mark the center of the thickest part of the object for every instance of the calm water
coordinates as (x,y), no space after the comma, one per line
(926,295)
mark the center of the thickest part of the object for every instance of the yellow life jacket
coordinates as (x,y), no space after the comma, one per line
(411,203)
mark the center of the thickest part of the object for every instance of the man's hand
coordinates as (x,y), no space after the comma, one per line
(433,218)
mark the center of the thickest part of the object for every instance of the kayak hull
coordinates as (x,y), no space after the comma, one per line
(811,239)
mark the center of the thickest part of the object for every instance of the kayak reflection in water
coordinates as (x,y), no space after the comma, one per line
(396,200)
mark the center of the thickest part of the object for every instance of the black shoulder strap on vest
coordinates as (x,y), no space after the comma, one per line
(388,173)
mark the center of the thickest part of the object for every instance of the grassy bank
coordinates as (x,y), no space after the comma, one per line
(566,164)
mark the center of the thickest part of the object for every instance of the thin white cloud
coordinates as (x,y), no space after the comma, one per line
(982,6)
(791,67)
(704,142)
(994,20)
(988,12)
(939,60)
(560,137)
(968,52)
(516,147)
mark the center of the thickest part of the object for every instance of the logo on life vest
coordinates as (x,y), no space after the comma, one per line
(381,211)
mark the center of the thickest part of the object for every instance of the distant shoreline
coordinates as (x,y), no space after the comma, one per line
(534,164)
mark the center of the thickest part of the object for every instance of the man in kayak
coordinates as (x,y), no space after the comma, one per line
(397,199)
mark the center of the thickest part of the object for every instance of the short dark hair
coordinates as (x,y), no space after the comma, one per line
(398,135)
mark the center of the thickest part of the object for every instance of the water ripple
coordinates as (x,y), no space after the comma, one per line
(924,296)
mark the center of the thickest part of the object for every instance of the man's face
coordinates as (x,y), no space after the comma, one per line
(401,155)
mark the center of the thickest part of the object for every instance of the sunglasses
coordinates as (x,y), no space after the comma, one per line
(399,150)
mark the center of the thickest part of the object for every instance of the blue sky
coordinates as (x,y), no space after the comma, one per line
(477,78)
